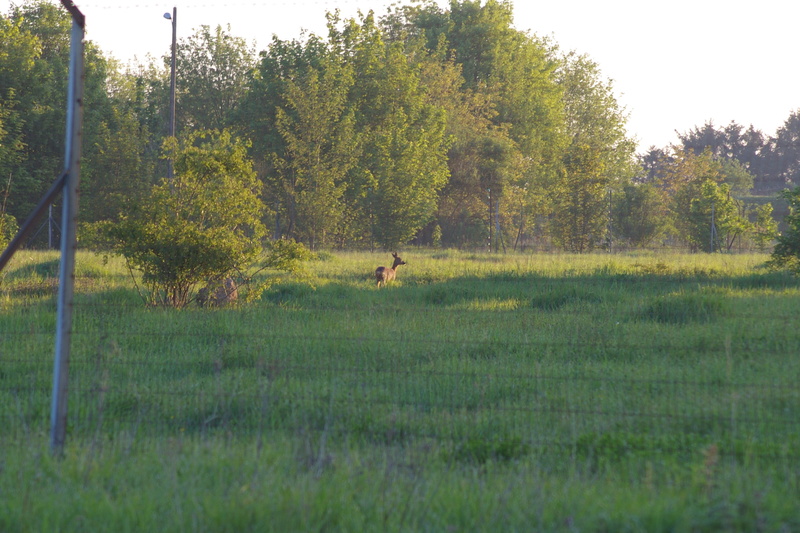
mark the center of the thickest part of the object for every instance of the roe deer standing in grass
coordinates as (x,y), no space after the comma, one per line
(383,274)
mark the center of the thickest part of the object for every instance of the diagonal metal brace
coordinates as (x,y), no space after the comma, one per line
(32,220)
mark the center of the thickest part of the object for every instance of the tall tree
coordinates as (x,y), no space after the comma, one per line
(33,75)
(518,71)
(405,149)
(786,151)
(33,69)
(212,72)
(482,157)
(713,221)
(513,76)
(699,201)
(258,112)
(598,160)
(581,202)
(320,149)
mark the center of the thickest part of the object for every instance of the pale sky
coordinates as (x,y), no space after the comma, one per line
(674,64)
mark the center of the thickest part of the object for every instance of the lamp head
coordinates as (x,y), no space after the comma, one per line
(167,16)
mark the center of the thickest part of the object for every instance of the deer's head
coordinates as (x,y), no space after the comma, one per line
(397,260)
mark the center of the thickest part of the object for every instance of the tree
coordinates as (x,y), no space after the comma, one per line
(516,73)
(8,224)
(638,214)
(737,176)
(487,170)
(320,149)
(11,145)
(598,160)
(258,116)
(118,173)
(202,225)
(580,216)
(713,222)
(212,72)
(33,72)
(764,227)
(404,166)
(746,148)
(34,61)
(786,151)
(786,254)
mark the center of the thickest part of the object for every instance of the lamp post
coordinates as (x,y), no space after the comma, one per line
(174,19)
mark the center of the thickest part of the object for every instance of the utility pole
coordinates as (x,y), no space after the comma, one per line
(174,19)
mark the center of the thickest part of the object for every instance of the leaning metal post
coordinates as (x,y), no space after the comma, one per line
(58,414)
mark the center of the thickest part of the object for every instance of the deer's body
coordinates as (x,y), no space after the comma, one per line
(384,274)
(218,293)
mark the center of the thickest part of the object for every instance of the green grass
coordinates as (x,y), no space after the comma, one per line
(637,392)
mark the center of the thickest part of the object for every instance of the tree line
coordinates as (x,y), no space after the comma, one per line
(428,125)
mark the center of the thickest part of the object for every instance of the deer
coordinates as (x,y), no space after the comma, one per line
(218,293)
(384,275)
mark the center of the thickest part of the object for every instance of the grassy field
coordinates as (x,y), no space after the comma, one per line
(638,392)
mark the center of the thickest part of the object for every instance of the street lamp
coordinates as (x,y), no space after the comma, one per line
(174,19)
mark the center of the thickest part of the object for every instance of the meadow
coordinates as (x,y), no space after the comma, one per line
(478,392)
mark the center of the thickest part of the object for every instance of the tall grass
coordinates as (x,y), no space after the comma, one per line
(636,392)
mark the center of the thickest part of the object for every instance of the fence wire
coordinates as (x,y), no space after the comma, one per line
(288,370)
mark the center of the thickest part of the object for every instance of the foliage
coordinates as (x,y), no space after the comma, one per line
(405,147)
(786,151)
(770,160)
(212,69)
(713,221)
(286,255)
(599,157)
(320,149)
(516,75)
(764,227)
(8,224)
(34,62)
(581,202)
(638,214)
(8,228)
(786,254)
(11,145)
(202,225)
(431,116)
(736,176)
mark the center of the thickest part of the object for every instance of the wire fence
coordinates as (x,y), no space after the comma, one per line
(528,380)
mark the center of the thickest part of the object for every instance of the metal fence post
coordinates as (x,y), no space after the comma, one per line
(58,414)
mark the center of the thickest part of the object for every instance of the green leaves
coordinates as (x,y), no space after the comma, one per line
(212,75)
(787,252)
(204,225)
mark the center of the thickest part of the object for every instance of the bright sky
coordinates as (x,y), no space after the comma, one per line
(674,64)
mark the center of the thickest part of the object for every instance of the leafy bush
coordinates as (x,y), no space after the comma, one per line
(287,255)
(202,225)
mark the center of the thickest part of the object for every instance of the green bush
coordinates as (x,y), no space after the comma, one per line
(204,224)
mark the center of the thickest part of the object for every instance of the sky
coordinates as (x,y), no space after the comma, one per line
(674,64)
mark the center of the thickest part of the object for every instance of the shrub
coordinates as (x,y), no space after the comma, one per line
(202,225)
